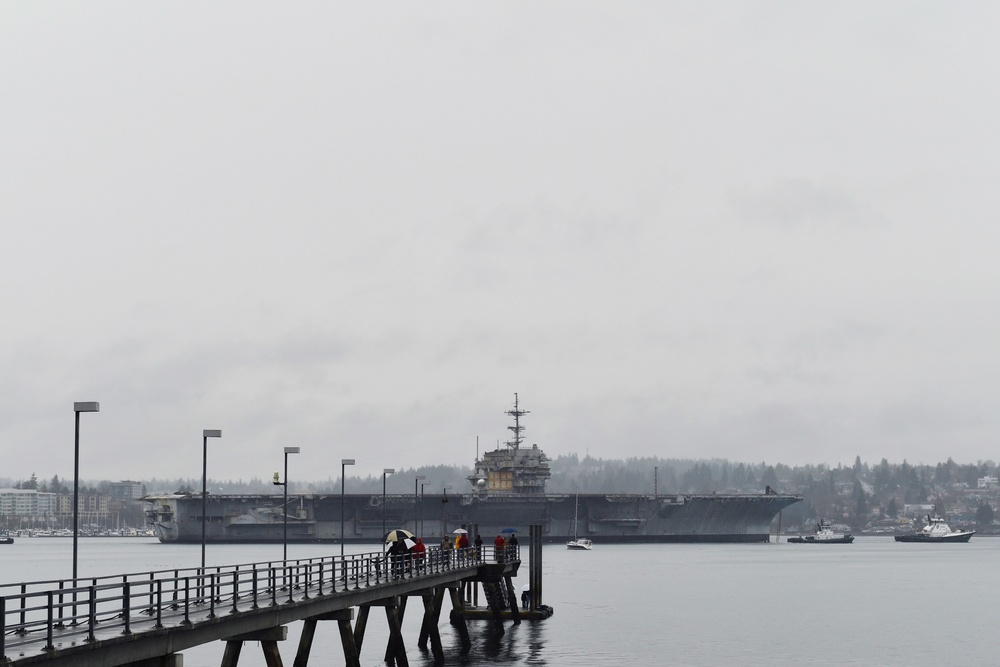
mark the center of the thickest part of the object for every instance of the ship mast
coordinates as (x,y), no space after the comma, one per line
(516,413)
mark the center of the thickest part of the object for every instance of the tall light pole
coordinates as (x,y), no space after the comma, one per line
(343,465)
(444,514)
(205,435)
(77,409)
(385,471)
(284,513)
(416,505)
(421,502)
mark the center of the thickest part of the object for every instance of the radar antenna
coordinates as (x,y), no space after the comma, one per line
(516,429)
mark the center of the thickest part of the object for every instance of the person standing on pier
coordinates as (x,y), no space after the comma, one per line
(512,547)
(499,544)
(445,549)
(479,546)
(419,552)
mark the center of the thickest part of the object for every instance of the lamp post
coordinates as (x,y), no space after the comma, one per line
(416,505)
(77,409)
(284,513)
(343,465)
(385,471)
(444,507)
(421,502)
(205,435)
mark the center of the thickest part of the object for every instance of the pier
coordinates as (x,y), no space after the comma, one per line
(146,619)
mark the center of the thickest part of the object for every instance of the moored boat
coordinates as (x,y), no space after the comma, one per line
(578,543)
(937,530)
(825,534)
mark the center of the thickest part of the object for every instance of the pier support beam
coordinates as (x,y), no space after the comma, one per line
(512,599)
(429,627)
(268,639)
(535,565)
(458,616)
(172,660)
(395,650)
(343,618)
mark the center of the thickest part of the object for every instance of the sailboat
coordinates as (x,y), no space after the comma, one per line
(578,543)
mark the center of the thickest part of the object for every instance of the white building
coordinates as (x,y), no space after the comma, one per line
(27,502)
(987,482)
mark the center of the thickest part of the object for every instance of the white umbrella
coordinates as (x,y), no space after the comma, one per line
(398,534)
(459,531)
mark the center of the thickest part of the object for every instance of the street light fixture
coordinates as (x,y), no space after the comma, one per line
(385,471)
(77,409)
(416,506)
(205,435)
(343,465)
(284,512)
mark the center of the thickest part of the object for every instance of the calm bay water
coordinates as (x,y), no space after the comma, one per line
(874,602)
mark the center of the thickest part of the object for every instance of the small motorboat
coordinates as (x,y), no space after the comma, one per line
(825,534)
(937,530)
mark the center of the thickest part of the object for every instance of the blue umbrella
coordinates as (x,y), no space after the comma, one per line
(509,530)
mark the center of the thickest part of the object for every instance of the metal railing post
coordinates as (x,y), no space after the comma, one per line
(236,590)
(3,629)
(59,624)
(211,595)
(159,604)
(254,589)
(187,601)
(48,630)
(92,614)
(127,607)
(24,592)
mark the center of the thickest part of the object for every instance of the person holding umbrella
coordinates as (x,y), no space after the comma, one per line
(399,547)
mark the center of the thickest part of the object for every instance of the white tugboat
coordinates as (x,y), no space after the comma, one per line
(937,530)
(825,534)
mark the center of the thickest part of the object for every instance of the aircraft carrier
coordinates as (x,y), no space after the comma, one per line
(506,491)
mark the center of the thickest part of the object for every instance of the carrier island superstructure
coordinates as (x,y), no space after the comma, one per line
(507,490)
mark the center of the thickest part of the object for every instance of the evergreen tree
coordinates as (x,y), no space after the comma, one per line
(984,514)
(891,509)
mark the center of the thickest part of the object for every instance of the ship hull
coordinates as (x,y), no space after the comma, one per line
(622,519)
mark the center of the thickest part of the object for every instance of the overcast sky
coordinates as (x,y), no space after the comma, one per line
(763,231)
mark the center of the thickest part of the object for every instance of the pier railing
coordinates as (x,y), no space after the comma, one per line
(46,615)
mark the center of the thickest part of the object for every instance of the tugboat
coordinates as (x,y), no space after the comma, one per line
(824,535)
(937,530)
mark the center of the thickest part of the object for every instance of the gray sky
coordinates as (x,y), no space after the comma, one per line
(764,231)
